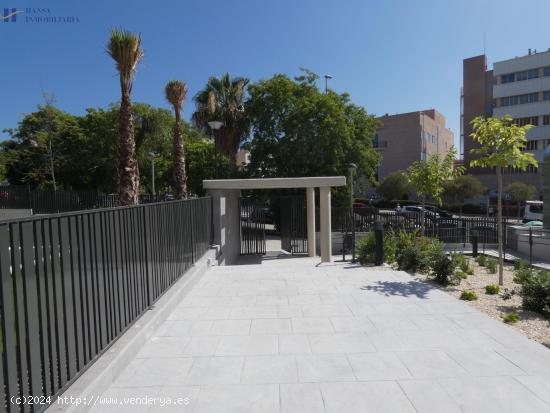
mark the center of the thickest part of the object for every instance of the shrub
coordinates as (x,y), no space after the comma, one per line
(491,266)
(536,292)
(523,273)
(521,264)
(511,318)
(463,263)
(492,289)
(442,268)
(413,259)
(366,249)
(481,260)
(468,296)
(461,275)
(508,294)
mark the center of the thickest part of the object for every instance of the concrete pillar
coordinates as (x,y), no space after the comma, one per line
(326,236)
(226,224)
(310,195)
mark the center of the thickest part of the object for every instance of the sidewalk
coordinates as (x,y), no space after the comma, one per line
(288,335)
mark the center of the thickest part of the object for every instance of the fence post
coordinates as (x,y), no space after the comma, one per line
(379,240)
(474,243)
(148,258)
(530,246)
(463,232)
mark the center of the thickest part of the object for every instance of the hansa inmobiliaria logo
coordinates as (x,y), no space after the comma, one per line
(35,15)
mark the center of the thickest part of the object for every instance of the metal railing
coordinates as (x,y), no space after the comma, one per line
(72,283)
(49,201)
(448,230)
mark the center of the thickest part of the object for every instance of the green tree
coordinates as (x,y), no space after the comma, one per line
(501,143)
(427,177)
(223,100)
(519,193)
(175,92)
(394,186)
(462,187)
(296,130)
(44,141)
(125,49)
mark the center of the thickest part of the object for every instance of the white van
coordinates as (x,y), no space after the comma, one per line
(533,211)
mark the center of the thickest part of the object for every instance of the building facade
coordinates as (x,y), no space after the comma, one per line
(519,87)
(408,137)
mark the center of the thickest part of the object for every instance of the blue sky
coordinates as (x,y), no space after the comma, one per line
(391,55)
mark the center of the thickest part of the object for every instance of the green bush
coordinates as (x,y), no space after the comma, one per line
(463,263)
(491,266)
(492,289)
(442,269)
(522,273)
(511,318)
(536,292)
(468,296)
(521,264)
(416,256)
(366,249)
(460,275)
(481,260)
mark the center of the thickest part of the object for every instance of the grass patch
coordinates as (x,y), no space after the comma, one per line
(492,289)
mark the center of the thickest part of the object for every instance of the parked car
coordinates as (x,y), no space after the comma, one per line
(441,213)
(363,207)
(533,211)
(415,211)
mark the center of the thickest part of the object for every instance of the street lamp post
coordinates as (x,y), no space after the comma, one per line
(153,155)
(351,169)
(216,125)
(327,77)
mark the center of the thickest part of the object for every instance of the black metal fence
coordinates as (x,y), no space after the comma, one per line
(252,215)
(294,224)
(49,201)
(448,230)
(72,283)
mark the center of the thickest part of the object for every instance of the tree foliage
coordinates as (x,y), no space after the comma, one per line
(296,130)
(457,190)
(501,142)
(222,99)
(427,177)
(520,192)
(85,149)
(394,186)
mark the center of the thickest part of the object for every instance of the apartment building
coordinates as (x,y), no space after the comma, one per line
(519,87)
(407,137)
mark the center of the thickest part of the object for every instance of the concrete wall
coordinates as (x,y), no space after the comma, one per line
(226,224)
(14,213)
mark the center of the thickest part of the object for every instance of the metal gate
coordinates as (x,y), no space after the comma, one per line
(252,216)
(294,224)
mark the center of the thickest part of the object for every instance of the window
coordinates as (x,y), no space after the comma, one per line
(505,101)
(546,120)
(531,145)
(514,100)
(547,71)
(529,98)
(510,77)
(531,120)
(546,95)
(533,73)
(521,76)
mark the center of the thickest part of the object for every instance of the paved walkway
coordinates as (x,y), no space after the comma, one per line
(289,336)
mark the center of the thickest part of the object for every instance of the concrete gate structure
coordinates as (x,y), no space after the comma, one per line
(225,195)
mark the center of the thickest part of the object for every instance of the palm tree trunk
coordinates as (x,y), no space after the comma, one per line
(499,228)
(128,171)
(178,161)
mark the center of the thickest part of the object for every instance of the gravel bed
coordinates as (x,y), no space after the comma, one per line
(532,324)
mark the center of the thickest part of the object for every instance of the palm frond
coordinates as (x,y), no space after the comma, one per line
(175,92)
(125,49)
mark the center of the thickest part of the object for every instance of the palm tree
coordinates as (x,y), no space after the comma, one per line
(125,49)
(222,100)
(175,92)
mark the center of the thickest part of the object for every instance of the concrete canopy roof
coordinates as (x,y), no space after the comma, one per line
(272,183)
